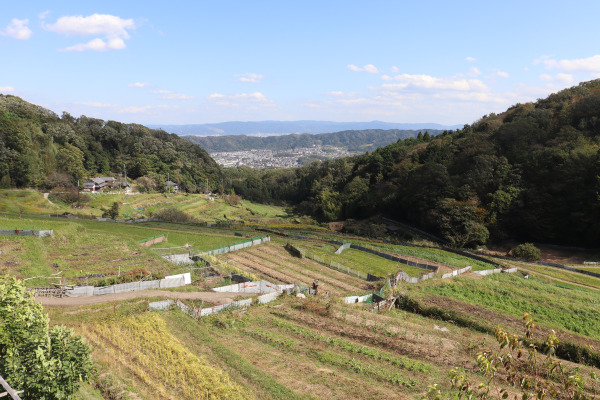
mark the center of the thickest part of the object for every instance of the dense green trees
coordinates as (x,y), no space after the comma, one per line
(35,142)
(47,364)
(531,173)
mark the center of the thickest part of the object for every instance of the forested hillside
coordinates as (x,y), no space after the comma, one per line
(35,142)
(529,173)
(353,140)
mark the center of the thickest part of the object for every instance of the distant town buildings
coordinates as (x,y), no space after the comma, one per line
(278,158)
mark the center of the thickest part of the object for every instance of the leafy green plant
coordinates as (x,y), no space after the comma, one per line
(44,363)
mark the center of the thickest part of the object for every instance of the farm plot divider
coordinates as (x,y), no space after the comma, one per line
(337,266)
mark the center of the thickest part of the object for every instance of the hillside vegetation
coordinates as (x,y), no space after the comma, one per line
(35,142)
(530,173)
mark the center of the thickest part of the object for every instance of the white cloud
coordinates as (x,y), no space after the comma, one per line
(395,69)
(336,93)
(370,68)
(96,104)
(18,29)
(170,95)
(97,45)
(144,109)
(407,81)
(256,97)
(474,71)
(113,29)
(139,84)
(561,78)
(43,15)
(7,89)
(590,64)
(470,59)
(249,77)
(239,99)
(502,74)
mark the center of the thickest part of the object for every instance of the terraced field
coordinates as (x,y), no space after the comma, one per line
(311,355)
(359,260)
(274,262)
(84,247)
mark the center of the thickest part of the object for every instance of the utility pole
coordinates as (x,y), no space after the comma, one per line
(125,173)
(206,185)
(78,200)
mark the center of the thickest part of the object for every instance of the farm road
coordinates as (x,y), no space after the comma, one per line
(210,297)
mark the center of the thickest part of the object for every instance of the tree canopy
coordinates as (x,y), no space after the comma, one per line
(35,142)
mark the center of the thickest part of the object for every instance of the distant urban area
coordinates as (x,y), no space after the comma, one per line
(296,157)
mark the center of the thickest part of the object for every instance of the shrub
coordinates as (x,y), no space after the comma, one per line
(46,363)
(68,195)
(527,251)
(112,212)
(174,215)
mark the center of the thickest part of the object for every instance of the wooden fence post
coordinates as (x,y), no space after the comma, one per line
(9,390)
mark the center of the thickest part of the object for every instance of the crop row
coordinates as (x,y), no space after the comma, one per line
(364,368)
(354,348)
(144,346)
(271,338)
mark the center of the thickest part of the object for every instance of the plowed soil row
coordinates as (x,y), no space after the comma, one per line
(324,283)
(272,257)
(253,267)
(305,264)
(249,259)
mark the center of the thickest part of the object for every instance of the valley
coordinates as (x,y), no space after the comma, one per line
(314,347)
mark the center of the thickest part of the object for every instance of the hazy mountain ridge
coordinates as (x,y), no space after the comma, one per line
(353,140)
(289,127)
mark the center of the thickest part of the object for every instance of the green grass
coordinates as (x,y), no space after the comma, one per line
(360,260)
(561,275)
(576,310)
(436,255)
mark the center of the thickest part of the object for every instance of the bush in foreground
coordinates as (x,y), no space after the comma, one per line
(45,363)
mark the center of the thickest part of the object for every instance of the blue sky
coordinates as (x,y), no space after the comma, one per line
(183,62)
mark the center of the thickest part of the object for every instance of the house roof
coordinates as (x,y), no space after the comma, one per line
(171,183)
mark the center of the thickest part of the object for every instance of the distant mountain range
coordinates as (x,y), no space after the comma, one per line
(353,140)
(270,128)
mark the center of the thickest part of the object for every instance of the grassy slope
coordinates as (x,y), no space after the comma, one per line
(572,309)
(142,206)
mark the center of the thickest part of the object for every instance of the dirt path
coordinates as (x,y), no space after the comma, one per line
(211,297)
